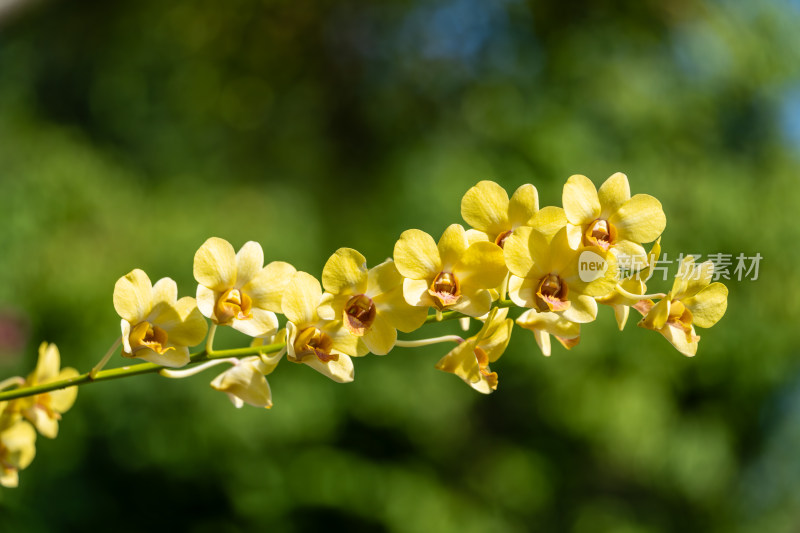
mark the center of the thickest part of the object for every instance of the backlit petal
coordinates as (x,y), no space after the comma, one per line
(381,336)
(192,328)
(552,323)
(580,200)
(261,324)
(549,221)
(165,290)
(691,278)
(582,309)
(48,364)
(708,305)
(630,255)
(523,206)
(416,255)
(394,307)
(249,262)
(244,381)
(474,235)
(340,370)
(481,265)
(522,291)
(175,358)
(415,292)
(462,362)
(485,207)
(452,245)
(383,278)
(133,296)
(345,272)
(267,287)
(215,264)
(46,425)
(206,299)
(301,298)
(614,192)
(516,252)
(640,219)
(677,337)
(474,303)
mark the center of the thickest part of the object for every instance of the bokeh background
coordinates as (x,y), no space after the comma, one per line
(131,131)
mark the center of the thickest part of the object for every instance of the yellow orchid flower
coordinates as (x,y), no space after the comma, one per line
(324,345)
(545,324)
(370,303)
(470,359)
(693,301)
(547,276)
(245,382)
(156,326)
(17,450)
(487,208)
(631,290)
(610,218)
(44,410)
(451,275)
(236,289)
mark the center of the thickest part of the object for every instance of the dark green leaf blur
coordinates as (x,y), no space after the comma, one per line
(131,131)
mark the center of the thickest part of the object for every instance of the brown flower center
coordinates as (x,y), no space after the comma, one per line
(552,294)
(233,304)
(312,341)
(600,233)
(359,314)
(146,335)
(501,239)
(445,290)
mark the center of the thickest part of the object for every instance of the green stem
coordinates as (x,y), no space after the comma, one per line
(135,370)
(210,339)
(452,315)
(96,374)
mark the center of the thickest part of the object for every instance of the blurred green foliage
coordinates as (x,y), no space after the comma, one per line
(132,131)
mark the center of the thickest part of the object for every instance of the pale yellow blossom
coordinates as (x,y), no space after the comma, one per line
(17,450)
(156,325)
(44,410)
(370,303)
(451,275)
(610,218)
(470,359)
(236,289)
(693,301)
(324,345)
(546,274)
(246,383)
(487,208)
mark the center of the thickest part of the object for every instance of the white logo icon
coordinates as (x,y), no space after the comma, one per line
(591,266)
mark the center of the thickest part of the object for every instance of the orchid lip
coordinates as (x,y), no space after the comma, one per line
(312,341)
(359,314)
(552,294)
(445,290)
(233,304)
(600,233)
